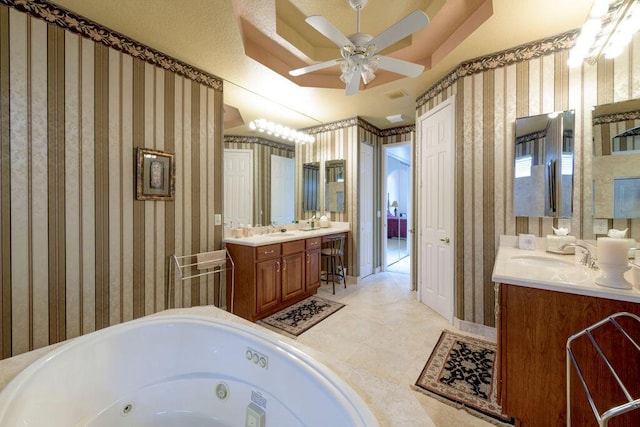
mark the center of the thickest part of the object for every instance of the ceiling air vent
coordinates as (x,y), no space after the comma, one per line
(396,94)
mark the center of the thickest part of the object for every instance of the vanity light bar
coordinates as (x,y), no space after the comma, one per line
(280,131)
(609,28)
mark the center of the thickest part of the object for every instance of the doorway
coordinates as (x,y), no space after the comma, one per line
(397,191)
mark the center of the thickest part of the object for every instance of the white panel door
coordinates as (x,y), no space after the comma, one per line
(435,223)
(238,187)
(365,196)
(282,189)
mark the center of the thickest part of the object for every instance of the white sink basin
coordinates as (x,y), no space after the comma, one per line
(542,261)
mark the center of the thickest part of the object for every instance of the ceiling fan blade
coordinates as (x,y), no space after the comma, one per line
(401,29)
(354,83)
(314,67)
(399,66)
(328,30)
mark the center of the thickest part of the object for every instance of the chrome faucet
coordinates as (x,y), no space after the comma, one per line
(272,227)
(587,259)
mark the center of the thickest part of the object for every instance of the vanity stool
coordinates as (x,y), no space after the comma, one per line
(333,254)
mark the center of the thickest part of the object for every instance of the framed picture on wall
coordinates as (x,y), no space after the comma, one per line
(155,174)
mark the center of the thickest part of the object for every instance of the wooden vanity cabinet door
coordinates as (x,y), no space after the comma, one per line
(312,259)
(268,285)
(292,275)
(312,269)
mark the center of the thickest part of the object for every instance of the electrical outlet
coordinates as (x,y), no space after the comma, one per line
(600,226)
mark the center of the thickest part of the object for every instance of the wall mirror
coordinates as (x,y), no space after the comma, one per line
(311,187)
(265,186)
(616,161)
(543,169)
(334,189)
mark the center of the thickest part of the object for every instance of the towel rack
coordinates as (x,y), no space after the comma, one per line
(191,266)
(631,404)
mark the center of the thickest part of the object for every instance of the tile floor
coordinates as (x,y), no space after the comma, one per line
(387,333)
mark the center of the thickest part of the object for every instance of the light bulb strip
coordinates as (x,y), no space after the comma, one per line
(280,131)
(606,32)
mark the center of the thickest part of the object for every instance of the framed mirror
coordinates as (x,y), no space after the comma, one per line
(311,187)
(616,161)
(543,168)
(335,185)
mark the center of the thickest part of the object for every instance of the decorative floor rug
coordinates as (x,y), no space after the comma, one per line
(301,316)
(460,372)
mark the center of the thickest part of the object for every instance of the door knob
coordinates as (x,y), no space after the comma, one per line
(446,240)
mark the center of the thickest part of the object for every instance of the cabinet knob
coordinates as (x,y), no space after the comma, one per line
(284,265)
(308,258)
(278,267)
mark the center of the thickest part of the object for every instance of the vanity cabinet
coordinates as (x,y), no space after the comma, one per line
(533,328)
(271,277)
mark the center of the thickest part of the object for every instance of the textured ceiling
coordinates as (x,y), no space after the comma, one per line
(207,34)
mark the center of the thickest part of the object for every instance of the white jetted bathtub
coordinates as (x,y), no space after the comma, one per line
(180,370)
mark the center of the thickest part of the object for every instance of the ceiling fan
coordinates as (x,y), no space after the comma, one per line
(359,50)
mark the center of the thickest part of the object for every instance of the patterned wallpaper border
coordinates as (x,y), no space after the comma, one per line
(402,130)
(362,123)
(255,140)
(66,19)
(511,56)
(616,117)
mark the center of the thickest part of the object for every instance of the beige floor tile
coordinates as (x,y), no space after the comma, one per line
(385,333)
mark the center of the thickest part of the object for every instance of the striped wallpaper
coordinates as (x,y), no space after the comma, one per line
(491,92)
(77,251)
(262,151)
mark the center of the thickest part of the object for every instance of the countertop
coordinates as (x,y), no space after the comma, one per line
(575,279)
(293,232)
(387,401)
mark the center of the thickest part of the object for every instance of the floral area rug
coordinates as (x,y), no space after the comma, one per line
(461,372)
(301,316)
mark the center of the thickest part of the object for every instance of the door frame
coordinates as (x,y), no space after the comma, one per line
(383,207)
(363,212)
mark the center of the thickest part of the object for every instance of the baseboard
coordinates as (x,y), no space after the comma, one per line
(476,328)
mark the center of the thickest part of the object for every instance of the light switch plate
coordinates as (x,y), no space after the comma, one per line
(600,226)
(217,219)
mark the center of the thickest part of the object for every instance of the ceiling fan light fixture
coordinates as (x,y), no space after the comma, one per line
(359,59)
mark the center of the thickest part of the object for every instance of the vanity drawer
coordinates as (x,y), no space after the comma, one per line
(267,252)
(314,243)
(292,247)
